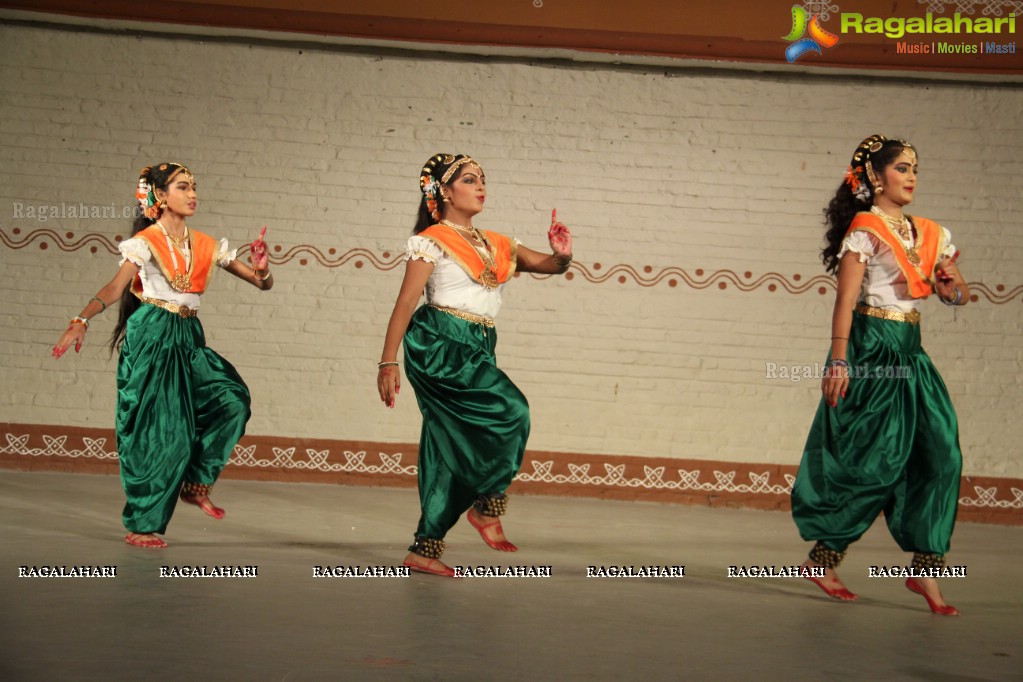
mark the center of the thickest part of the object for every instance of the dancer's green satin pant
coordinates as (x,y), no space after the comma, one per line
(475,420)
(181,408)
(891,445)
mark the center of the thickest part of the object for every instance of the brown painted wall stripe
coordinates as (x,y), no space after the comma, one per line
(596,273)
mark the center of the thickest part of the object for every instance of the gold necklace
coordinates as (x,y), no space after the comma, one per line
(488,277)
(471,230)
(901,225)
(902,228)
(177,240)
(181,281)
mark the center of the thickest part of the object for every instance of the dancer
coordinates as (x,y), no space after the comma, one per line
(475,420)
(181,408)
(885,437)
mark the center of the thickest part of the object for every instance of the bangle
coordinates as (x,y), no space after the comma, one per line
(79,320)
(561,261)
(954,301)
(841,338)
(840,362)
(265,277)
(381,365)
(98,300)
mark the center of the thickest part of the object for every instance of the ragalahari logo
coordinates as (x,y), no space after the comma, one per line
(819,37)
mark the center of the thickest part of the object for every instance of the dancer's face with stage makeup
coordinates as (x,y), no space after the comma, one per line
(181,195)
(899,178)
(466,193)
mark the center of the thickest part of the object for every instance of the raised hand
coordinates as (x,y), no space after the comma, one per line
(258,252)
(559,236)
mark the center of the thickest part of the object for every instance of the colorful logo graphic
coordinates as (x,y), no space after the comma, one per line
(819,37)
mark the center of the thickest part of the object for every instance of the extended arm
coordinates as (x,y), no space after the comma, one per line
(108,295)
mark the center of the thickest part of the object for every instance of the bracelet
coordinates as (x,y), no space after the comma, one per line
(561,261)
(840,362)
(841,338)
(99,300)
(79,320)
(263,279)
(954,301)
(381,365)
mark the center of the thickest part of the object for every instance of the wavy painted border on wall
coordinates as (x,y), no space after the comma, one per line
(33,447)
(593,273)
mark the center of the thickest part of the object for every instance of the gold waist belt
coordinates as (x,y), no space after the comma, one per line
(886,314)
(468,317)
(182,310)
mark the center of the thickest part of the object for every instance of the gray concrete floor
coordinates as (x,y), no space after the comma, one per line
(287,625)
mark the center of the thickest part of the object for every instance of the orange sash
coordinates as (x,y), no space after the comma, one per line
(930,238)
(205,251)
(504,252)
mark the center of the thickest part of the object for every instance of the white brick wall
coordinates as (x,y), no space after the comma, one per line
(689,169)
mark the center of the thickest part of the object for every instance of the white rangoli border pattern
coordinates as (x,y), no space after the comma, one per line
(542,472)
(988,7)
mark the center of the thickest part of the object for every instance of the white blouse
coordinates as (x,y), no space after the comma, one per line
(449,285)
(154,284)
(884,285)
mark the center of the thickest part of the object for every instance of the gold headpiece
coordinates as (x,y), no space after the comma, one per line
(861,159)
(867,147)
(181,169)
(456,165)
(909,150)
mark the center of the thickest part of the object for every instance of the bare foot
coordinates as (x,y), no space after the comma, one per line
(829,582)
(419,563)
(489,528)
(928,587)
(204,503)
(147,540)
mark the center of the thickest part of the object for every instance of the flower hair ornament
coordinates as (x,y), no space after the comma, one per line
(145,196)
(428,182)
(860,174)
(429,185)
